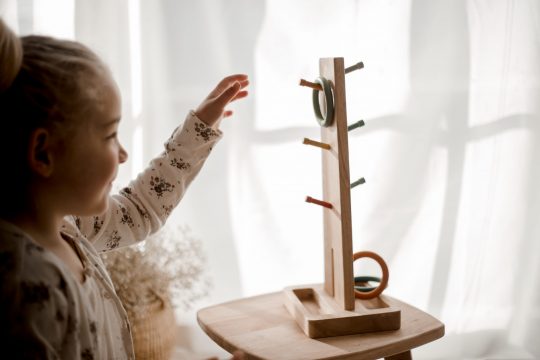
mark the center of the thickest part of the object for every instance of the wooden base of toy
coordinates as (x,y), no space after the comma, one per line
(319,315)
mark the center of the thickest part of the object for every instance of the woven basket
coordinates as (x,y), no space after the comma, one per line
(154,332)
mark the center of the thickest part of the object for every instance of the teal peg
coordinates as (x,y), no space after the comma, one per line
(358,182)
(357,124)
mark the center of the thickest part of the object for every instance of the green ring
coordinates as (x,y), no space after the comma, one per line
(327,89)
(366,279)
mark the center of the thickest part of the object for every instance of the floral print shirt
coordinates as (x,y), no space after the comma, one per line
(45,312)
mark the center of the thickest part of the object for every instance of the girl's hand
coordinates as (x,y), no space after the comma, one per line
(228,90)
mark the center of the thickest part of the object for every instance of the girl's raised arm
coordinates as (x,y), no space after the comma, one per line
(142,207)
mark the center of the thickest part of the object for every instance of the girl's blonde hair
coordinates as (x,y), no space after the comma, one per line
(44,83)
(10,56)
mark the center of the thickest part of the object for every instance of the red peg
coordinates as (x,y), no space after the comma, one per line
(309,199)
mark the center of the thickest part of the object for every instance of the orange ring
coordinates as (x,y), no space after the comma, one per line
(384,281)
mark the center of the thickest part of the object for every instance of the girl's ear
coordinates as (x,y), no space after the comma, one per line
(40,157)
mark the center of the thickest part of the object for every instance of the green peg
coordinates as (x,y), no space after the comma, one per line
(358,182)
(357,124)
(356,66)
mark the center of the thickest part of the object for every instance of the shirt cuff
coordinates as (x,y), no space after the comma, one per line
(215,127)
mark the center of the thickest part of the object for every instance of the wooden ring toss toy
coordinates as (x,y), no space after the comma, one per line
(326,119)
(330,309)
(336,307)
(384,281)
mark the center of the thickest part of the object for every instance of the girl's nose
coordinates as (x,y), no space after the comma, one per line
(122,155)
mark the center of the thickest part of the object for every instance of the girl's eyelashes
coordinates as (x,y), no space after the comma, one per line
(112,136)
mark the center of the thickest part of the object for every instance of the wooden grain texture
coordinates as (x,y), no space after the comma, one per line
(262,328)
(319,315)
(338,266)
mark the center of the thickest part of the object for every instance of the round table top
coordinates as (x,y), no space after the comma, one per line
(262,328)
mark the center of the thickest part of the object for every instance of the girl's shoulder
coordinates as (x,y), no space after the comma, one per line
(27,270)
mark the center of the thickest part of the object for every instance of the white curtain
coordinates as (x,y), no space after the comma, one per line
(450,94)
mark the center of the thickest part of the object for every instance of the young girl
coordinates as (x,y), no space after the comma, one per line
(59,115)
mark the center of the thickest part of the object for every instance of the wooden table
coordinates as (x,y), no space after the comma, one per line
(262,327)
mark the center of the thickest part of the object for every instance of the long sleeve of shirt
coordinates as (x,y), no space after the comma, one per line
(142,207)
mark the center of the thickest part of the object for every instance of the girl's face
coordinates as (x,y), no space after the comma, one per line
(88,163)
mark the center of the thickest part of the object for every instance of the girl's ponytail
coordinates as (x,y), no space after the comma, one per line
(11,54)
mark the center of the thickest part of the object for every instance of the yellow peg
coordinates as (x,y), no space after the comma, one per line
(316,143)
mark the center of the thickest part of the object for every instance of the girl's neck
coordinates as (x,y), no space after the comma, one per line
(43,227)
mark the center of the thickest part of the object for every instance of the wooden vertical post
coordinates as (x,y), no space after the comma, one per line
(338,268)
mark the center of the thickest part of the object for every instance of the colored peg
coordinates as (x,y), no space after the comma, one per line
(316,143)
(358,182)
(357,124)
(310,84)
(309,199)
(357,66)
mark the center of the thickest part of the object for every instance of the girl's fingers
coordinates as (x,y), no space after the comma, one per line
(239,95)
(228,94)
(227,113)
(244,83)
(228,81)
(234,77)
